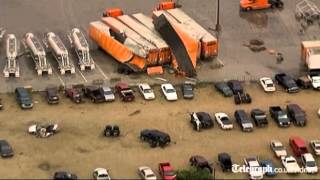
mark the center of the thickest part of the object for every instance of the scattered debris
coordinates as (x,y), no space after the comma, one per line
(161,79)
(280,58)
(43,131)
(135,113)
(45,166)
(255,45)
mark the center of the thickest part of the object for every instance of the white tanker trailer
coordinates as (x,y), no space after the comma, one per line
(38,54)
(60,53)
(82,50)
(11,67)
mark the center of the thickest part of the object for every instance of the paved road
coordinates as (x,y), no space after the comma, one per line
(279,30)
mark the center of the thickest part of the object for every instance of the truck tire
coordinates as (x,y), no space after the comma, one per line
(237,99)
(153,144)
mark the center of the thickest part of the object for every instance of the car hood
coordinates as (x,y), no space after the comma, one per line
(32,128)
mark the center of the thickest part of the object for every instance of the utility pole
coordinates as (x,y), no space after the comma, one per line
(218,26)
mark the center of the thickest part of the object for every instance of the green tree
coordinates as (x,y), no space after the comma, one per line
(193,173)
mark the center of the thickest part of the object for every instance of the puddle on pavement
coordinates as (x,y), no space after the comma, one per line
(258,19)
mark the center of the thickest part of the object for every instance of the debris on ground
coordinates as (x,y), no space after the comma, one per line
(280,58)
(255,45)
(161,79)
(135,113)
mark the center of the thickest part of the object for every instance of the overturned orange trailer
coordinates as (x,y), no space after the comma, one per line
(208,44)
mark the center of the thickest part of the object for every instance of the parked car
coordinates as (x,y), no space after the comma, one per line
(111,131)
(169,92)
(52,95)
(280,116)
(267,84)
(101,174)
(146,91)
(235,86)
(304,82)
(147,173)
(200,162)
(309,163)
(5,149)
(95,94)
(224,121)
(298,146)
(23,98)
(201,120)
(108,94)
(296,114)
(315,146)
(290,164)
(225,162)
(64,175)
(75,94)
(125,92)
(43,131)
(259,117)
(267,164)
(166,171)
(243,120)
(287,82)
(278,148)
(155,137)
(223,88)
(187,91)
(255,170)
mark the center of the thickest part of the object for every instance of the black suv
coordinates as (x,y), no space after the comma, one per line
(201,120)
(296,114)
(52,95)
(287,82)
(96,94)
(243,120)
(259,117)
(24,98)
(155,137)
(200,162)
(225,161)
(64,175)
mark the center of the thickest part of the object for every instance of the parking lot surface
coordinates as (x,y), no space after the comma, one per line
(79,147)
(279,30)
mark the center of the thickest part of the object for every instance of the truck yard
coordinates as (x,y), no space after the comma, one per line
(112,82)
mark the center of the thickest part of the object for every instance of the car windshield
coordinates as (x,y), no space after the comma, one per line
(279,148)
(317,147)
(316,80)
(149,175)
(283,117)
(170,91)
(25,98)
(103,175)
(5,148)
(224,119)
(107,92)
(169,173)
(310,163)
(147,91)
(269,85)
(291,161)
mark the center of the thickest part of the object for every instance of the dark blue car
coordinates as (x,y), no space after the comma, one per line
(268,164)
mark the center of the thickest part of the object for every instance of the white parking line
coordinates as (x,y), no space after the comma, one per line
(59,77)
(100,70)
(83,76)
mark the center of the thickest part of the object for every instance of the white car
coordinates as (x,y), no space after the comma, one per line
(267,84)
(255,170)
(278,148)
(315,81)
(43,131)
(315,145)
(146,173)
(290,164)
(224,121)
(146,91)
(101,174)
(169,92)
(309,163)
(108,94)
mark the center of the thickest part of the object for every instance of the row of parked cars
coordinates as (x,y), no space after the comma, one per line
(99,94)
(293,113)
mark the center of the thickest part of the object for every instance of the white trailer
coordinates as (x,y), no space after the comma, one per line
(38,54)
(12,67)
(60,53)
(82,49)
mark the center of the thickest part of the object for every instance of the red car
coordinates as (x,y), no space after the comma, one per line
(298,146)
(166,171)
(74,94)
(125,92)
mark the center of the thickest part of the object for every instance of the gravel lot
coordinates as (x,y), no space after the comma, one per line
(80,146)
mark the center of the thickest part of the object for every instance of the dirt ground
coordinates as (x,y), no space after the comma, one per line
(80,146)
